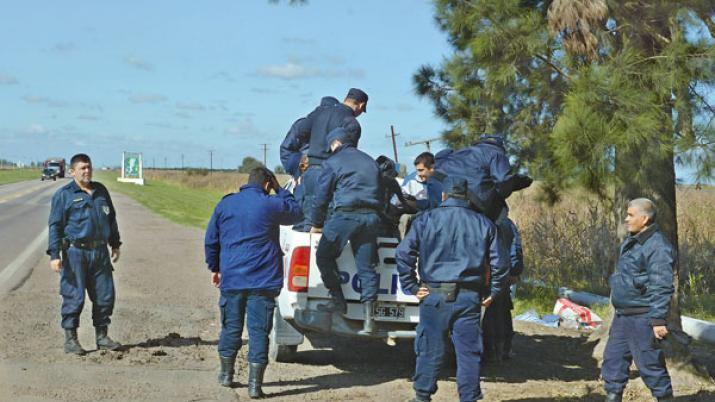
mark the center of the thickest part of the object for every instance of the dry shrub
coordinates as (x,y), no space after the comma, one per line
(574,242)
(203,179)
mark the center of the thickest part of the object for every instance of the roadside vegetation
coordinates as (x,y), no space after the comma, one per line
(15,175)
(572,243)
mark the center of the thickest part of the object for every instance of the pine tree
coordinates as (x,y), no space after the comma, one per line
(606,95)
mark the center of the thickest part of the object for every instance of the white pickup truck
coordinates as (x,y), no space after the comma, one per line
(396,313)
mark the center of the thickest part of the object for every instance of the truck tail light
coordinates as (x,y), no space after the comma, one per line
(299,270)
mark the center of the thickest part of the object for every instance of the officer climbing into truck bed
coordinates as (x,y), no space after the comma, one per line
(349,181)
(453,244)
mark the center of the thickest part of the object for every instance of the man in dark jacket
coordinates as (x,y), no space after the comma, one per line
(82,224)
(497,324)
(641,289)
(350,182)
(454,245)
(297,141)
(245,259)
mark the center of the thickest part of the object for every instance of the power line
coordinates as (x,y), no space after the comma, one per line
(427,142)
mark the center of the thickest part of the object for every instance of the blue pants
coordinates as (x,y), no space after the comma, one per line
(631,338)
(235,306)
(89,270)
(437,319)
(309,184)
(361,230)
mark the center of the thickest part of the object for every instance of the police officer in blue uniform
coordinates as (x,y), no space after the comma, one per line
(350,182)
(297,140)
(454,245)
(82,223)
(245,259)
(321,122)
(497,324)
(641,289)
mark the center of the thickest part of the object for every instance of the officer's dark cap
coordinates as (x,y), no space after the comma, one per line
(341,135)
(456,187)
(359,96)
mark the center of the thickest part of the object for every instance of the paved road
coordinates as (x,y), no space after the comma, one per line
(24,208)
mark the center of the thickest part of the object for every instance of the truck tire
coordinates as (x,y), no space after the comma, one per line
(276,352)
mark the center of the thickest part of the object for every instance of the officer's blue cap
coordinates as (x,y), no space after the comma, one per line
(341,135)
(358,95)
(455,187)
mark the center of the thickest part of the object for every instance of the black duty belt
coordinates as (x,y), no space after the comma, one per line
(449,290)
(359,210)
(89,245)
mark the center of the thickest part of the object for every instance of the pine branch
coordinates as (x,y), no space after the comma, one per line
(554,66)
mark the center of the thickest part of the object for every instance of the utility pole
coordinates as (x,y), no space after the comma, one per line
(426,142)
(393,134)
(211,161)
(265,150)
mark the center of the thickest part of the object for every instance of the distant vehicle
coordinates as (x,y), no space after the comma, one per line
(57,163)
(49,173)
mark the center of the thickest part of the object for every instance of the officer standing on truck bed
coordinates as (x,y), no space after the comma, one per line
(245,259)
(350,182)
(82,223)
(453,244)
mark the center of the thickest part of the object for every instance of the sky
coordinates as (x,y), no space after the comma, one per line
(175,77)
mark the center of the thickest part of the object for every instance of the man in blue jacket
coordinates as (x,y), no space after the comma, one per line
(297,140)
(321,122)
(82,224)
(455,245)
(641,289)
(350,182)
(497,323)
(245,259)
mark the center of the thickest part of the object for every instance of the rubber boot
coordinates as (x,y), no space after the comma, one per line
(225,377)
(104,342)
(337,303)
(255,380)
(368,326)
(72,343)
(614,397)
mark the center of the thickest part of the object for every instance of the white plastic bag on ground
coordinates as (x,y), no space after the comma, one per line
(570,311)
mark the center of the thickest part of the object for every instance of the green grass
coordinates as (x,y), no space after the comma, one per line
(529,297)
(183,205)
(701,307)
(15,175)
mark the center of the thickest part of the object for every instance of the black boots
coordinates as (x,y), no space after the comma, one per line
(72,343)
(337,303)
(225,377)
(368,326)
(255,380)
(614,397)
(104,342)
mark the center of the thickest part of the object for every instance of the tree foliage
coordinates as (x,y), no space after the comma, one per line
(248,164)
(573,84)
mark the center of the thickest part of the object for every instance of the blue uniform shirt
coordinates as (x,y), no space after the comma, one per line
(297,139)
(78,216)
(324,120)
(242,238)
(350,178)
(453,244)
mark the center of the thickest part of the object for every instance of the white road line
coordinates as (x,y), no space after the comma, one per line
(13,274)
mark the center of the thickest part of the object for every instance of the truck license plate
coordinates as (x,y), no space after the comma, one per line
(389,311)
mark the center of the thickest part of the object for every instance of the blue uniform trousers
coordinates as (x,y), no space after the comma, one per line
(257,307)
(361,230)
(310,186)
(90,270)
(437,319)
(631,338)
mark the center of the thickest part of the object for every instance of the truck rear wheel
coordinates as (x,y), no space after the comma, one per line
(278,352)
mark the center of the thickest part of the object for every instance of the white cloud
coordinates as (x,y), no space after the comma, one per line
(88,117)
(36,129)
(289,71)
(42,100)
(193,106)
(139,63)
(244,128)
(147,98)
(7,80)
